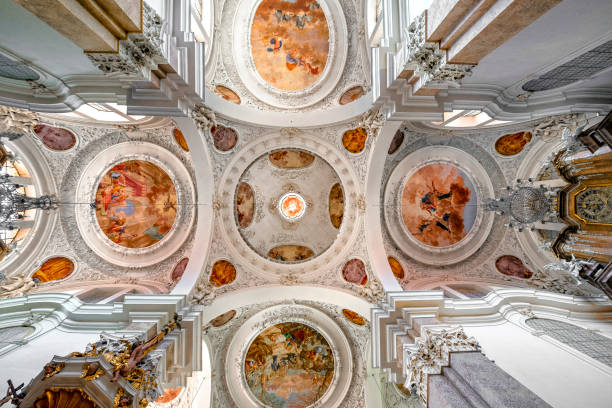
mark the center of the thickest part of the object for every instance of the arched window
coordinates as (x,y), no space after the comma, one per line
(585,341)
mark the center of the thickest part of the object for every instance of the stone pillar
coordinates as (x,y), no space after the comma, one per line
(472,380)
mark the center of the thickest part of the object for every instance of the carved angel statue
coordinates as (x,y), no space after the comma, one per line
(18,285)
(572,267)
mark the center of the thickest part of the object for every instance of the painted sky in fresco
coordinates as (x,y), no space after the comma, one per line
(136,204)
(289,43)
(438,205)
(289,365)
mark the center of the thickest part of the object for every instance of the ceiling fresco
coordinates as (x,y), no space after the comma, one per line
(56,138)
(289,365)
(289,43)
(512,266)
(282,205)
(227,94)
(352,95)
(136,204)
(513,143)
(53,269)
(438,205)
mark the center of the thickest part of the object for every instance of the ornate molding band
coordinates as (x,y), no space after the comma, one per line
(432,353)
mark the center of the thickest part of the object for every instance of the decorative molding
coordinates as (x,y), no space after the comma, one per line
(203,117)
(432,353)
(15,122)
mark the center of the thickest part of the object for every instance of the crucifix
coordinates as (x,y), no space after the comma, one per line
(12,394)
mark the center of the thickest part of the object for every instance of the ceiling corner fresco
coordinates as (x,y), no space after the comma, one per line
(289,43)
(136,204)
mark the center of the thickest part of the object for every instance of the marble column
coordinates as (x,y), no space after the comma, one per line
(473,381)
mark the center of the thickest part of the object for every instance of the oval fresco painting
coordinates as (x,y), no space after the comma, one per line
(179,269)
(290,253)
(291,159)
(336,205)
(223,318)
(289,43)
(136,204)
(512,266)
(54,269)
(396,268)
(354,140)
(227,94)
(55,138)
(180,139)
(511,144)
(222,273)
(245,204)
(439,205)
(289,365)
(351,95)
(397,141)
(224,138)
(353,317)
(354,272)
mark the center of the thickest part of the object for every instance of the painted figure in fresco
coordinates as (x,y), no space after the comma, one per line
(289,365)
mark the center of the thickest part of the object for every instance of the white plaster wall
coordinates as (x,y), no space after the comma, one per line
(23,363)
(561,378)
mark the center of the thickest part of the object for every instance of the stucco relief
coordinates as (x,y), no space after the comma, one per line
(66,238)
(311,313)
(346,44)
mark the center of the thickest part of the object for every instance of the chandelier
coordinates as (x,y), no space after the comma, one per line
(523,204)
(14,202)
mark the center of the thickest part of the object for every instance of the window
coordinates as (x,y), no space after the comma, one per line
(585,341)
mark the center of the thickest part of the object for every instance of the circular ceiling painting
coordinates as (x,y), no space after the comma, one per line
(289,43)
(289,365)
(438,205)
(136,204)
(292,206)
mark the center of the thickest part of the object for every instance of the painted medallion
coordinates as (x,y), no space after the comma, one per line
(223,318)
(396,268)
(227,94)
(354,140)
(351,95)
(224,138)
(354,271)
(222,273)
(353,317)
(336,205)
(289,43)
(55,138)
(512,266)
(292,206)
(245,204)
(54,269)
(179,269)
(511,144)
(136,204)
(290,253)
(180,139)
(289,365)
(438,205)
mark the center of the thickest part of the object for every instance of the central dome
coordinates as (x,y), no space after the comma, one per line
(292,206)
(289,43)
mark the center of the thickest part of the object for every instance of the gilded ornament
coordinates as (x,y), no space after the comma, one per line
(52,368)
(91,371)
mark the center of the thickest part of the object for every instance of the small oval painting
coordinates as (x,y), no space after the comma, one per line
(353,317)
(55,138)
(289,43)
(224,138)
(354,140)
(227,94)
(290,253)
(245,204)
(336,205)
(136,204)
(179,269)
(169,395)
(54,269)
(396,268)
(351,95)
(512,266)
(511,144)
(439,205)
(289,365)
(397,141)
(223,318)
(180,139)
(354,272)
(291,159)
(222,273)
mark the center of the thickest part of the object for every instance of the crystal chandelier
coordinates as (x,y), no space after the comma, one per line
(14,202)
